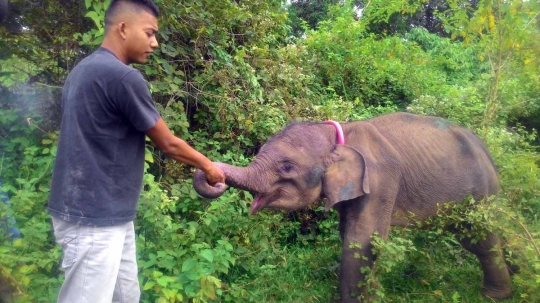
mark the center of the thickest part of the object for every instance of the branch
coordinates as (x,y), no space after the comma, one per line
(48,85)
(531,239)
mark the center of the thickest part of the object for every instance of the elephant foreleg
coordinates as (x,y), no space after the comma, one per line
(357,228)
(356,259)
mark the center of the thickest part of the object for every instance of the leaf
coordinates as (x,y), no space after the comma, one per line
(148,156)
(149,285)
(25,281)
(207,254)
(207,220)
(208,289)
(214,280)
(163,281)
(188,265)
(170,293)
(95,17)
(456,297)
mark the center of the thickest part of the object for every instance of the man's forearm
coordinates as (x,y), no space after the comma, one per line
(182,152)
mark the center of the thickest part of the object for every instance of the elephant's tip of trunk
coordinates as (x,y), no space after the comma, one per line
(218,188)
(206,190)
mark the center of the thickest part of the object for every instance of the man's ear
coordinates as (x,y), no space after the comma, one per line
(346,176)
(122,26)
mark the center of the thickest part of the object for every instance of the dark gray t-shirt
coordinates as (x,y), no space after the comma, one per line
(97,176)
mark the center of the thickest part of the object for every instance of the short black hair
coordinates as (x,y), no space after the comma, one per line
(147,5)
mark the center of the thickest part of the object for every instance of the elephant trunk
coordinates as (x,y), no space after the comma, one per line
(235,176)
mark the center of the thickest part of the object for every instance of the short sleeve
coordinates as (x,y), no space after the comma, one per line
(135,101)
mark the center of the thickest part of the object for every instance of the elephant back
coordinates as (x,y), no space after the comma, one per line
(439,160)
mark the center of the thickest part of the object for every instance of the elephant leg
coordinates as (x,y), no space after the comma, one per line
(356,229)
(497,283)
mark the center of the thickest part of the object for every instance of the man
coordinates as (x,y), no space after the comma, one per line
(107,110)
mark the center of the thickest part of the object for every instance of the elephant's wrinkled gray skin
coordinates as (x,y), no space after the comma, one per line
(391,166)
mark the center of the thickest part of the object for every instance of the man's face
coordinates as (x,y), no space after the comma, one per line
(141,37)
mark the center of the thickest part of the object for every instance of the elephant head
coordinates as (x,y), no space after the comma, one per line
(295,168)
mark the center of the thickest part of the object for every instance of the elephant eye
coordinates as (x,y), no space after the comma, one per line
(286,167)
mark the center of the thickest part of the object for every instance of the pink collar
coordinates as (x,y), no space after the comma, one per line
(340,136)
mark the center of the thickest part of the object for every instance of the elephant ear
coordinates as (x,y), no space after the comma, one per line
(346,176)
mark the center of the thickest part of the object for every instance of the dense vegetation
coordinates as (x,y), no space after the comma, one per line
(228,75)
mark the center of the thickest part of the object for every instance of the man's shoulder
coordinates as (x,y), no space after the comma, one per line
(106,59)
(101,66)
(103,63)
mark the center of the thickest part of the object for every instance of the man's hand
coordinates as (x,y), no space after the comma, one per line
(215,175)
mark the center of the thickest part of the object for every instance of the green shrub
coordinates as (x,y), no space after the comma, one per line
(26,160)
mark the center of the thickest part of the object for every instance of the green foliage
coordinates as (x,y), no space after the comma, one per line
(181,256)
(519,166)
(462,106)
(351,63)
(433,266)
(26,158)
(308,14)
(96,12)
(458,61)
(221,61)
(41,34)
(500,30)
(401,17)
(214,251)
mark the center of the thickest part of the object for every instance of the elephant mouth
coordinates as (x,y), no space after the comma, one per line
(257,204)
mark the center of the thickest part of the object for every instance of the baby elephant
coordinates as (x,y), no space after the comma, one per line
(374,173)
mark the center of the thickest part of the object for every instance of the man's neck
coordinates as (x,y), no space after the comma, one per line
(115,48)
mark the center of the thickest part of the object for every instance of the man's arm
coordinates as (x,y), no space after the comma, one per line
(180,151)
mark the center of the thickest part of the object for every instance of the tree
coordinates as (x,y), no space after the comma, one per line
(501,30)
(310,13)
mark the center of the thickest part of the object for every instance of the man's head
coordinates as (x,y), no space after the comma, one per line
(130,28)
